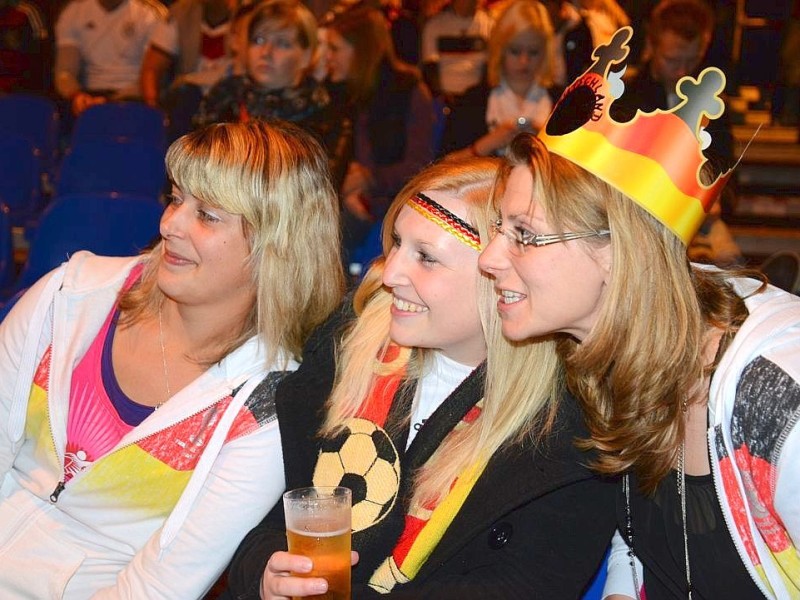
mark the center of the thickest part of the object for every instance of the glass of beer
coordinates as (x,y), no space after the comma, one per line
(318,526)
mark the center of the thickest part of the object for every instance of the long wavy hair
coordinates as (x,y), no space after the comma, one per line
(523,384)
(517,17)
(644,357)
(276,177)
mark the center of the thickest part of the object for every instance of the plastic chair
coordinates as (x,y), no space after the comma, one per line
(122,122)
(107,224)
(103,166)
(21,178)
(35,118)
(783,270)
(7,267)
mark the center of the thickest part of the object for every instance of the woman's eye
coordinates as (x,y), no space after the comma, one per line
(173,199)
(207,217)
(523,236)
(395,240)
(426,258)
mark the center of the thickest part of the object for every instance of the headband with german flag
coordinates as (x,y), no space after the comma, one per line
(656,158)
(451,223)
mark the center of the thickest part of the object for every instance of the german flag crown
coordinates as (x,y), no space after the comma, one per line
(655,158)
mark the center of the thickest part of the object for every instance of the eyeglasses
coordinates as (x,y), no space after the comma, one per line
(522,239)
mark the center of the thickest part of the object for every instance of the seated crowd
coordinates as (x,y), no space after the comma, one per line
(550,339)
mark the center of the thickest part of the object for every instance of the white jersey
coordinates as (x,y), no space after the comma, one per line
(111,43)
(458,44)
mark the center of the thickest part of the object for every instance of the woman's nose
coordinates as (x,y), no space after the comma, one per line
(393,271)
(172,221)
(491,259)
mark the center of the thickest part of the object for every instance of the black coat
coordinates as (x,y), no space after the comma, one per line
(466,121)
(536,524)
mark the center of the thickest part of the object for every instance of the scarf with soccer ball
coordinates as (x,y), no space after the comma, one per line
(393,536)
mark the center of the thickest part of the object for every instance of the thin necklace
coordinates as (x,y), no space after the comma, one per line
(163,357)
(682,494)
(681,484)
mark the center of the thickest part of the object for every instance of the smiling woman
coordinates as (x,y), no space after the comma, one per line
(483,480)
(138,393)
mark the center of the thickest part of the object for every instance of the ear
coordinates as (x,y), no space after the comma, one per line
(603,256)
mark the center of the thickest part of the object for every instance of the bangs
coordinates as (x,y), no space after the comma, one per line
(214,172)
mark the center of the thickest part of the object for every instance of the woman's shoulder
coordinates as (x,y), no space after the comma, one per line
(85,271)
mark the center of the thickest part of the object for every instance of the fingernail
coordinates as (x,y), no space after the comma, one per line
(306,566)
(320,587)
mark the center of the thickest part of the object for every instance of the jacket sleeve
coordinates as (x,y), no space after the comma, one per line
(549,548)
(245,482)
(299,401)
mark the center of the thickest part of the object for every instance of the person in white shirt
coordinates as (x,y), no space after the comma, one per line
(99,49)
(454,47)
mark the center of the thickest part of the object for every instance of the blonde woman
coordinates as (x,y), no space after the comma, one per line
(137,395)
(688,375)
(517,93)
(489,497)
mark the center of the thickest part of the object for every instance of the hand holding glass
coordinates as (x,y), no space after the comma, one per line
(318,526)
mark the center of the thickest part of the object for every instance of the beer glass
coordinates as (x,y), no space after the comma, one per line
(318,526)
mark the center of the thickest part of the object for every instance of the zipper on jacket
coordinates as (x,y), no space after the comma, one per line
(62,482)
(57,492)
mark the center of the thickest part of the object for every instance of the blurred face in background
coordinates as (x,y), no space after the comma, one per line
(675,57)
(340,56)
(275,58)
(524,58)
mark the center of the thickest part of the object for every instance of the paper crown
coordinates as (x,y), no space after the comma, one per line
(655,158)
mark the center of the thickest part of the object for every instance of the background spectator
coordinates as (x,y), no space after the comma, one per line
(454,47)
(277,84)
(194,42)
(392,112)
(99,49)
(572,41)
(24,47)
(517,92)
(678,37)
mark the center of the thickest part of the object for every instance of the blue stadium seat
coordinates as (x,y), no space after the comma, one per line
(20,178)
(103,166)
(35,118)
(122,122)
(107,224)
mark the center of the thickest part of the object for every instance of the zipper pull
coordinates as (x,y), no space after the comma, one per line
(57,492)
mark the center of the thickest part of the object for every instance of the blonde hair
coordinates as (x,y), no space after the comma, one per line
(644,357)
(276,177)
(522,380)
(517,17)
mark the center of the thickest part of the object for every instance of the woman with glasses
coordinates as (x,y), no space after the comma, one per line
(688,375)
(479,491)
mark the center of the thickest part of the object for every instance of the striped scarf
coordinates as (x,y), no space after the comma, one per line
(370,451)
